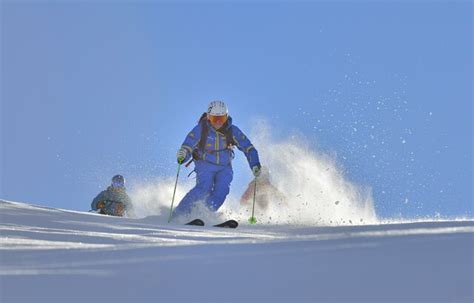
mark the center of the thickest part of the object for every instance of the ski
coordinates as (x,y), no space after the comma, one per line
(197,222)
(228,224)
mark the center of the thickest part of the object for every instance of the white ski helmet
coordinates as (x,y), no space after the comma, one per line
(217,108)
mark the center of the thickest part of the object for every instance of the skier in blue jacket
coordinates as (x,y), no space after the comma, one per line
(211,143)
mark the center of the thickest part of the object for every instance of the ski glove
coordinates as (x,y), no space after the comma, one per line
(100,205)
(256,170)
(181,155)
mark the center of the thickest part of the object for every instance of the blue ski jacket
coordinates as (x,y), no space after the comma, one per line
(216,149)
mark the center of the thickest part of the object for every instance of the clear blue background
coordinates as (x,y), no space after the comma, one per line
(93,88)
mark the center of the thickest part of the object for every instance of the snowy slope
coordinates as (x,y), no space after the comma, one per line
(52,255)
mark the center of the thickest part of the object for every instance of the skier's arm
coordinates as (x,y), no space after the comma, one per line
(245,146)
(246,196)
(191,141)
(100,197)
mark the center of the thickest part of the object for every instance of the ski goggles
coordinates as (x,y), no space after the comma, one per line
(217,119)
(118,184)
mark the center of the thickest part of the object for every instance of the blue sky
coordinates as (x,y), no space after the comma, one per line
(93,88)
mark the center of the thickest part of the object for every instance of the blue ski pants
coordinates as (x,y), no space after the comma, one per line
(212,187)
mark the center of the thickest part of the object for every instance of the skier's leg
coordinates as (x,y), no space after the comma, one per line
(202,189)
(221,188)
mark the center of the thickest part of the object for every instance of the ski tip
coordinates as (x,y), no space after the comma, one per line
(196,222)
(228,224)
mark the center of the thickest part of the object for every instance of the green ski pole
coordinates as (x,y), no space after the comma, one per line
(174,193)
(252,219)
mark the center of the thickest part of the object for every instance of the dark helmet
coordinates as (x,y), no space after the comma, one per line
(118,181)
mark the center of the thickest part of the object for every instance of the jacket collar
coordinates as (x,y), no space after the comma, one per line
(116,189)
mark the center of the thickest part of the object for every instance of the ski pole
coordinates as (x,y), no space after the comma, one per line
(252,219)
(174,193)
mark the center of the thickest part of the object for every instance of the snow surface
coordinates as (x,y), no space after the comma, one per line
(54,255)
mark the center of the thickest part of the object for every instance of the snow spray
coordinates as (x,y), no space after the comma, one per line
(152,198)
(308,187)
(311,189)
